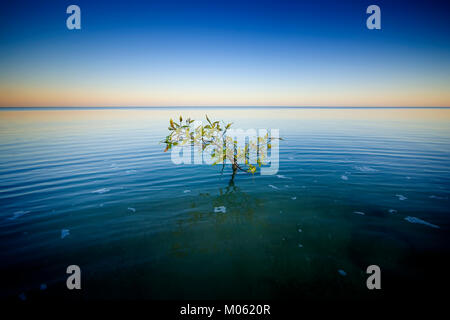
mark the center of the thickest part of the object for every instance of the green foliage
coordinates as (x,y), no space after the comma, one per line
(212,138)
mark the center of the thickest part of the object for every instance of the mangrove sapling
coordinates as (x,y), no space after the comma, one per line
(218,141)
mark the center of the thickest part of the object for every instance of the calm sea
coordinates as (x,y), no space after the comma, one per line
(94,188)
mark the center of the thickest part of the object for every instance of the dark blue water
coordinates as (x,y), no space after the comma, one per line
(95,189)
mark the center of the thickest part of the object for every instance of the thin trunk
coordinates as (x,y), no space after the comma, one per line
(235,167)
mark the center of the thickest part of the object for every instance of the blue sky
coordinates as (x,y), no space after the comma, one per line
(144,53)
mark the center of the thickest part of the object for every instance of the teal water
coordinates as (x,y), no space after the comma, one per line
(354,188)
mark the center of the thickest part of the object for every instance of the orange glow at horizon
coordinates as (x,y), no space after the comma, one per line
(34,96)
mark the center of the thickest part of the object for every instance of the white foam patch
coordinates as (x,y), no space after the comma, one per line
(131,209)
(132,171)
(102,190)
(186,191)
(420,221)
(401,197)
(300,230)
(294,198)
(344,177)
(392,211)
(359,212)
(220,209)
(273,187)
(365,169)
(65,233)
(283,177)
(18,214)
(437,197)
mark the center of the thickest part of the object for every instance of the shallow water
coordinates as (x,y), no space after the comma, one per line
(94,188)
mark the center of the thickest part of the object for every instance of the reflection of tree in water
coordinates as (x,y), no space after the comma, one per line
(205,230)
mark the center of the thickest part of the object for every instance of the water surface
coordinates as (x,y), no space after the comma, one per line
(93,188)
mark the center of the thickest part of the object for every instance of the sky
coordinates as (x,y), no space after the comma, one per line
(224,53)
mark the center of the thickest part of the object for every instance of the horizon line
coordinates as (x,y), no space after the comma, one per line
(216,107)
